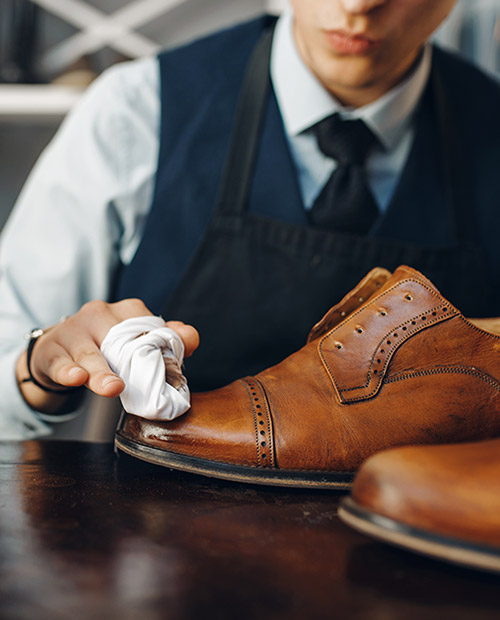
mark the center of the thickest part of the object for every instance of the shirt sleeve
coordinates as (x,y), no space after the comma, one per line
(80,213)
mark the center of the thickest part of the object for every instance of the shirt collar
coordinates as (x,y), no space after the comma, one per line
(303,100)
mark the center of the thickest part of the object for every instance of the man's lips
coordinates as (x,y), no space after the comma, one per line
(348,43)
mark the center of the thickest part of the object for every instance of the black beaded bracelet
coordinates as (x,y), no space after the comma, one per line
(33,337)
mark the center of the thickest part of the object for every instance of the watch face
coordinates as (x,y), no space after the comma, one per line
(35,333)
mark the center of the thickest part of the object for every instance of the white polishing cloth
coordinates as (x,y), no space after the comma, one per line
(148,357)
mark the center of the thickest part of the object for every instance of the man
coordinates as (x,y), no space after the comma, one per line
(139,199)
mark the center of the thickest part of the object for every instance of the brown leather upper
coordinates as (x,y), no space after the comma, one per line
(394,363)
(453,490)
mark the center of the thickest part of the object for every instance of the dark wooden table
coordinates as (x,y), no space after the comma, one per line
(86,534)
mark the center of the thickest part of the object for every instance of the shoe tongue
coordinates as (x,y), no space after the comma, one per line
(402,273)
(369,286)
(383,281)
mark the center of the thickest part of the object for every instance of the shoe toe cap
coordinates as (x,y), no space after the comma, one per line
(219,426)
(451,490)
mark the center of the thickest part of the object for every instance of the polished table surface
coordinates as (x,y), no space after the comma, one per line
(87,534)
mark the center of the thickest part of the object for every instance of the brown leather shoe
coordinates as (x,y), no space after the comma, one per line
(442,501)
(393,363)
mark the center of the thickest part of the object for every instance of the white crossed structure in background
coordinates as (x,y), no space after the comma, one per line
(96,29)
(99,29)
(116,30)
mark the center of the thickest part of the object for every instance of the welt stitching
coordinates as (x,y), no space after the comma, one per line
(445,370)
(483,332)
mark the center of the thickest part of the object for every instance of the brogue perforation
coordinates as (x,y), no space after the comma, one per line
(353,367)
(264,442)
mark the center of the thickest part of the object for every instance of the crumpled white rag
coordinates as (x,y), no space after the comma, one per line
(148,357)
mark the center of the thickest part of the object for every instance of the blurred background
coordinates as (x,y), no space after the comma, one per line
(50,50)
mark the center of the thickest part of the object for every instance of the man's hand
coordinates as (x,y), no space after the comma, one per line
(68,354)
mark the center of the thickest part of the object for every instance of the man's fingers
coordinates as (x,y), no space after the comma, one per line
(106,384)
(71,366)
(51,365)
(101,379)
(69,374)
(188,334)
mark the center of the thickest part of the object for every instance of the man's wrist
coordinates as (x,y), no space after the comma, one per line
(53,403)
(32,338)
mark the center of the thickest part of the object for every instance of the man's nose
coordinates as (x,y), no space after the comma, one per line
(361,6)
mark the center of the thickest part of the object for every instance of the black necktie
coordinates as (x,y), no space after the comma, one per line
(346,203)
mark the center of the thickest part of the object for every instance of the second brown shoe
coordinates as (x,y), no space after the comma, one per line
(440,501)
(393,363)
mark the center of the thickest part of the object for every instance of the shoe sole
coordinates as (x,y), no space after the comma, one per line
(456,551)
(234,473)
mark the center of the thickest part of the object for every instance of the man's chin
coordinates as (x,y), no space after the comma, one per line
(356,80)
(349,87)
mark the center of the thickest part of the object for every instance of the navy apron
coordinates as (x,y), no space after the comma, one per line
(257,285)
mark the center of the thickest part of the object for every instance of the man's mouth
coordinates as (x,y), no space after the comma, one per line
(349,43)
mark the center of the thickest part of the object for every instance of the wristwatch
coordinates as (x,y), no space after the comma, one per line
(32,338)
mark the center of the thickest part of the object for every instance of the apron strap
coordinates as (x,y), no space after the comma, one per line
(250,111)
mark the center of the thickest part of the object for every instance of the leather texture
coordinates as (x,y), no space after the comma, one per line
(449,490)
(392,364)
